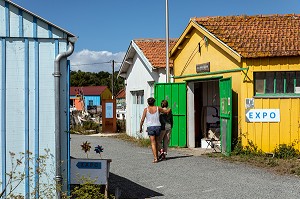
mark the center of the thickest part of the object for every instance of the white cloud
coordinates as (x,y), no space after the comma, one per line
(95,61)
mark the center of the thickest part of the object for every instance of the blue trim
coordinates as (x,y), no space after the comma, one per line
(26,96)
(50,31)
(68,128)
(35,27)
(37,128)
(56,47)
(7,19)
(21,32)
(3,114)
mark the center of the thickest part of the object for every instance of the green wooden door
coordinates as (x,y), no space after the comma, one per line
(226,114)
(175,94)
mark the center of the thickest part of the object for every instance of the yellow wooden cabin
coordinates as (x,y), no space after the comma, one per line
(261,56)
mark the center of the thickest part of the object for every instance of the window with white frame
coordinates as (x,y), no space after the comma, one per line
(279,83)
(151,85)
(137,97)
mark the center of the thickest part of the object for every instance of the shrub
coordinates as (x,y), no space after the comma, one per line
(89,190)
(238,147)
(45,188)
(284,151)
(121,126)
(250,150)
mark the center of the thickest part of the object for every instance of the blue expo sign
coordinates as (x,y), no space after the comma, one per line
(263,115)
(88,165)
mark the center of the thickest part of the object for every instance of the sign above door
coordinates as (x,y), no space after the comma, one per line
(201,68)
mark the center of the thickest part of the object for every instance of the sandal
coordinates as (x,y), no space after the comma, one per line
(155,161)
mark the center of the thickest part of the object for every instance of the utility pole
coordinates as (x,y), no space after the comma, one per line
(167,42)
(112,79)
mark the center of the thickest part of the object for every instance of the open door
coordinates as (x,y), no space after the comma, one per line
(226,114)
(175,94)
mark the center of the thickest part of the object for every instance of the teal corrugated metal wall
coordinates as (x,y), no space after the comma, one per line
(28,48)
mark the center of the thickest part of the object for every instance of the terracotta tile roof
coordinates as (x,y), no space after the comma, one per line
(87,90)
(121,94)
(155,51)
(257,36)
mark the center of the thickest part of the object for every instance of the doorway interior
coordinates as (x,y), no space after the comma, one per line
(207,111)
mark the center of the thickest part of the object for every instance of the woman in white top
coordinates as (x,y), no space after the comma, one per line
(151,113)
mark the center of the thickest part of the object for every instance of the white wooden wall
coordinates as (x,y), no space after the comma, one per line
(138,78)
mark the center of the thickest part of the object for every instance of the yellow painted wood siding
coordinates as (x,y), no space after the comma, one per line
(185,61)
(268,135)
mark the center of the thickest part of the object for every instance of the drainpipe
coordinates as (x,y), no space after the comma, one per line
(56,74)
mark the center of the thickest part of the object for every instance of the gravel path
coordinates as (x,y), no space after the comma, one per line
(184,174)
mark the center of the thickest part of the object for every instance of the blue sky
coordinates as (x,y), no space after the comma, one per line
(106,27)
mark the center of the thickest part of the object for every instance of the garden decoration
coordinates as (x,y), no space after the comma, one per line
(86,146)
(99,149)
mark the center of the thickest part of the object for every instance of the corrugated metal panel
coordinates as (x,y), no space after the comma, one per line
(12,4)
(3,113)
(14,19)
(21,118)
(27,25)
(2,16)
(18,22)
(43,29)
(27,111)
(15,95)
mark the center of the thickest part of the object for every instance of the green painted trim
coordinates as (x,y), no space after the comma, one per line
(284,83)
(204,78)
(274,94)
(210,73)
(278,95)
(265,83)
(171,83)
(274,82)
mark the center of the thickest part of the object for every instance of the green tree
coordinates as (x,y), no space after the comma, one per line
(80,78)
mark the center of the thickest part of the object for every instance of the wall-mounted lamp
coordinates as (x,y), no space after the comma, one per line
(206,41)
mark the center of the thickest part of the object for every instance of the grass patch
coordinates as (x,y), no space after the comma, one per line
(142,142)
(285,159)
(279,166)
(87,128)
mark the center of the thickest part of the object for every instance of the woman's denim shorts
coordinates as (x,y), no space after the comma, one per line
(153,130)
